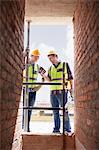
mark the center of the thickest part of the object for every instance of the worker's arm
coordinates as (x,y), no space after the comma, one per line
(70,79)
(46,77)
(70,76)
(71,88)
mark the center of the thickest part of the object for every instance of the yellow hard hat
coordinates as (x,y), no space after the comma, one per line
(35,52)
(52,52)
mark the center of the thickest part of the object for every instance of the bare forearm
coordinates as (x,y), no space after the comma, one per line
(46,77)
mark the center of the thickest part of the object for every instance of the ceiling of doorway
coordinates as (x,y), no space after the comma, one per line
(51,12)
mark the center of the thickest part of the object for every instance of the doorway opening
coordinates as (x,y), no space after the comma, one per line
(46,38)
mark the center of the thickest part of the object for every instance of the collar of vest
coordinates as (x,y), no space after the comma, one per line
(57,64)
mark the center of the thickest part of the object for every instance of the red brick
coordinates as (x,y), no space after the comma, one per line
(86,22)
(11,58)
(49,142)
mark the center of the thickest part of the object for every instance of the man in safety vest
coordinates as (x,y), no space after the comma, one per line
(33,70)
(55,74)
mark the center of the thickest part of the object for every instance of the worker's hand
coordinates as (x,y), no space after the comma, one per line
(43,79)
(37,88)
(42,74)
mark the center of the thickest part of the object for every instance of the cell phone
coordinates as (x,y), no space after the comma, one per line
(42,70)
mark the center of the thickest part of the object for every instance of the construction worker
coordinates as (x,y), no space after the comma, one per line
(33,70)
(55,74)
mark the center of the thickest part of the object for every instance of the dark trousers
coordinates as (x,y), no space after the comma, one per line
(32,97)
(56,100)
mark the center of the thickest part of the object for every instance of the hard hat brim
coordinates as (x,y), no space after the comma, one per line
(52,54)
(35,55)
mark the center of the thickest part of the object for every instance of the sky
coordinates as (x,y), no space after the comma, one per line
(46,38)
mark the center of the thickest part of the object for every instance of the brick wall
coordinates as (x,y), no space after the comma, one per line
(47,142)
(86,30)
(11,47)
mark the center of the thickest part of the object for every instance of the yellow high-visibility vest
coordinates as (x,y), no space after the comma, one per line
(56,75)
(32,74)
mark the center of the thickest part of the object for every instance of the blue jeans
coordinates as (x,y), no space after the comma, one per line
(56,101)
(32,97)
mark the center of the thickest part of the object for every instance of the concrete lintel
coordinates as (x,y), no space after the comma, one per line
(50,20)
(54,9)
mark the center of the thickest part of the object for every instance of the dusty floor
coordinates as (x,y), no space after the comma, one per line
(44,124)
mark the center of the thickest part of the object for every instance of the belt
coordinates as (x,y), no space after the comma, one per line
(56,92)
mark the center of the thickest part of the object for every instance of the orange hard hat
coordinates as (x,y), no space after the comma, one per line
(52,52)
(35,52)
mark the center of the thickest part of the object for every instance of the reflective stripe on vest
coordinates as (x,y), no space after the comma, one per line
(32,75)
(30,78)
(56,79)
(57,76)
